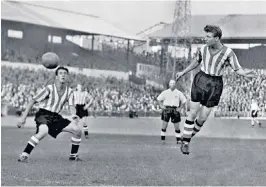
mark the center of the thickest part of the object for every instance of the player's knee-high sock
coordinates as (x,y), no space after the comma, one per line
(163,134)
(196,128)
(75,146)
(30,146)
(178,135)
(188,128)
(85,128)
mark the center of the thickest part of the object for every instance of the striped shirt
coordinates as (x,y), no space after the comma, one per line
(50,100)
(172,98)
(214,64)
(81,98)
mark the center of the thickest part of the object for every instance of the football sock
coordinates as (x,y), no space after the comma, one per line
(188,128)
(163,134)
(75,146)
(196,128)
(31,144)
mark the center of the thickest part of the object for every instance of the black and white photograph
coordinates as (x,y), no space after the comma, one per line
(133,93)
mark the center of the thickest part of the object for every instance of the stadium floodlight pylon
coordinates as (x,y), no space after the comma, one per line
(181,29)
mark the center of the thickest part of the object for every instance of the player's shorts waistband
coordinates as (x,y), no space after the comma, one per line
(48,112)
(79,105)
(211,76)
(174,107)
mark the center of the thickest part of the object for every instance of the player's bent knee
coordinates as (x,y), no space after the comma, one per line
(192,115)
(201,120)
(42,132)
(77,132)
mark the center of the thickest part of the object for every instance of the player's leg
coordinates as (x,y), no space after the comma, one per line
(257,121)
(196,98)
(176,119)
(177,132)
(202,117)
(189,123)
(85,123)
(76,131)
(165,120)
(42,131)
(85,126)
(252,121)
(163,130)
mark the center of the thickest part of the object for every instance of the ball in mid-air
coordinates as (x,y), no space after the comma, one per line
(50,60)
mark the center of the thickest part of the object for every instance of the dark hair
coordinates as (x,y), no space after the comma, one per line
(62,68)
(217,32)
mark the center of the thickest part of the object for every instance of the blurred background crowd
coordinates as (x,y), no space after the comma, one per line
(110,94)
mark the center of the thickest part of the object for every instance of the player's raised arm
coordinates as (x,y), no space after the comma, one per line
(194,64)
(38,98)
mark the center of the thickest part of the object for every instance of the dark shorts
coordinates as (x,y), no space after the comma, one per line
(254,113)
(80,112)
(207,89)
(170,112)
(54,121)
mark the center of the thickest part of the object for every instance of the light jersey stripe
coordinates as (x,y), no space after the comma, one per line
(213,64)
(50,100)
(80,98)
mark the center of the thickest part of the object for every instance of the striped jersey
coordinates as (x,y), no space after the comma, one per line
(80,97)
(50,100)
(214,64)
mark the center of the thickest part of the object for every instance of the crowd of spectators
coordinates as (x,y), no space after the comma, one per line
(238,93)
(111,94)
(114,95)
(108,94)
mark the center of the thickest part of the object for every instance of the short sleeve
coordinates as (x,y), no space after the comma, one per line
(161,97)
(42,95)
(71,98)
(199,54)
(233,61)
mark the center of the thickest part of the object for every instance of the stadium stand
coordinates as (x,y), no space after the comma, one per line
(110,94)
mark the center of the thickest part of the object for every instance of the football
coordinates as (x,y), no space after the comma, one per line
(50,60)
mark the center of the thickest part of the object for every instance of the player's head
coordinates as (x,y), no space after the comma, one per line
(172,84)
(213,34)
(79,87)
(61,74)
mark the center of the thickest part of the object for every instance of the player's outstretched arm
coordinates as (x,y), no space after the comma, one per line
(192,66)
(23,118)
(247,73)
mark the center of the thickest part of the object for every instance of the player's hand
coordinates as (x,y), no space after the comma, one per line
(178,75)
(21,122)
(162,107)
(251,74)
(178,110)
